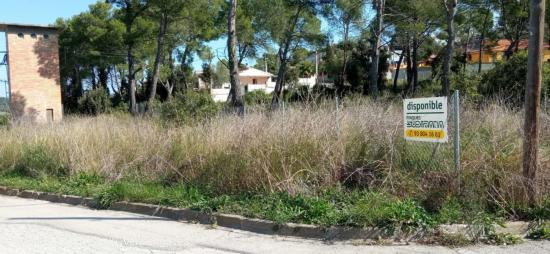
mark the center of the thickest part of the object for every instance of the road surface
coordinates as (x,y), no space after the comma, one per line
(33,226)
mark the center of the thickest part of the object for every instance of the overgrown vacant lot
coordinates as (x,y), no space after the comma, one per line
(307,164)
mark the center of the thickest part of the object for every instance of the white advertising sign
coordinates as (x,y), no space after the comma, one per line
(426,119)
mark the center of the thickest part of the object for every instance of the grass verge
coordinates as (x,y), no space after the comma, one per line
(329,207)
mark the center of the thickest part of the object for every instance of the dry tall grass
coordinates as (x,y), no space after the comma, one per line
(299,150)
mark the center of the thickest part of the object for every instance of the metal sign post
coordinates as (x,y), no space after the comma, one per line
(456,114)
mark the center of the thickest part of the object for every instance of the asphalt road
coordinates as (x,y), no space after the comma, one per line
(32,226)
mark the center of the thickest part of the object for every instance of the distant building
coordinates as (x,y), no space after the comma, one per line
(424,67)
(492,51)
(33,72)
(251,80)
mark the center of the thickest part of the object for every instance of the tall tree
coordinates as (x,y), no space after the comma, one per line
(165,12)
(252,36)
(533,96)
(400,43)
(513,18)
(483,26)
(346,15)
(91,45)
(207,56)
(450,7)
(378,28)
(236,93)
(418,20)
(131,10)
(200,21)
(289,23)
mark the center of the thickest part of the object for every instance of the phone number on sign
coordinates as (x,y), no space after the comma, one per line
(433,134)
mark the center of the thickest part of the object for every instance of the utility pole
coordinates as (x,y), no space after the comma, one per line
(533,97)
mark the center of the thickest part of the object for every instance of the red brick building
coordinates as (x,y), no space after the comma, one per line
(33,72)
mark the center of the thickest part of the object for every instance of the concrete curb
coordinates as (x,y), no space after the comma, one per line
(248,224)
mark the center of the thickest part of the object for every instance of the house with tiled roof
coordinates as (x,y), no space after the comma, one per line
(494,51)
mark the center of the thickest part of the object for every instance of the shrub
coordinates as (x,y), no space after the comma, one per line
(4,119)
(297,94)
(507,80)
(94,102)
(541,232)
(189,107)
(257,97)
(108,195)
(38,160)
(407,216)
(503,239)
(450,212)
(468,85)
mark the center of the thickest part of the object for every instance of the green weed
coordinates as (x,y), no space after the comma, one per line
(503,239)
(541,232)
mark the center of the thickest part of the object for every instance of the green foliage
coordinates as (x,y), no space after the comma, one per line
(306,69)
(39,160)
(83,180)
(357,71)
(90,42)
(269,59)
(298,66)
(94,102)
(5,119)
(503,239)
(297,94)
(453,240)
(407,216)
(507,80)
(188,107)
(220,74)
(541,232)
(468,85)
(257,97)
(450,212)
(207,75)
(483,225)
(330,207)
(108,195)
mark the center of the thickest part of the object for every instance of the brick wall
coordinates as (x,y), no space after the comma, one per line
(34,77)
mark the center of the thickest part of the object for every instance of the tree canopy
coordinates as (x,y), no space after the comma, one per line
(142,51)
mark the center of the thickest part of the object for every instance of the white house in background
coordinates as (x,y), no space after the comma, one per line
(251,80)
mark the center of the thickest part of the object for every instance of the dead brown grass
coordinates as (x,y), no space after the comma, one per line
(302,149)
